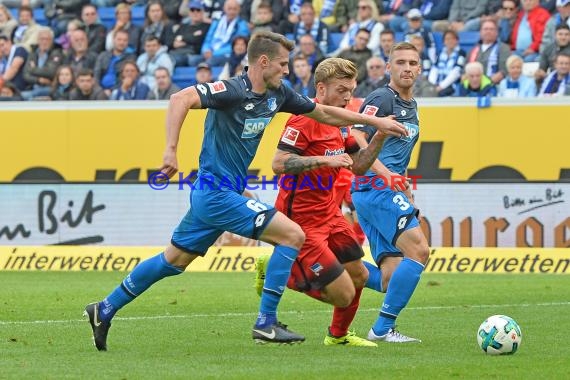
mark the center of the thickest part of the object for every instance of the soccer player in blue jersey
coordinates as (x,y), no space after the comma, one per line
(239,111)
(384,203)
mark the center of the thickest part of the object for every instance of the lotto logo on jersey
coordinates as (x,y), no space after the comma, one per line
(370,110)
(413,131)
(254,127)
(217,87)
(290,136)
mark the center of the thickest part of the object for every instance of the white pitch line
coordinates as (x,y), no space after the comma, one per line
(224,315)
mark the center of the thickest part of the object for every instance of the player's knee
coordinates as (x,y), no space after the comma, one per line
(344,298)
(295,237)
(420,253)
(359,279)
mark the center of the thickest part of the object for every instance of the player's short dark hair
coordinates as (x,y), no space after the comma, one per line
(402,46)
(267,43)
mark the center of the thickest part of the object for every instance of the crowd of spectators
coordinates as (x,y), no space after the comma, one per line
(521,47)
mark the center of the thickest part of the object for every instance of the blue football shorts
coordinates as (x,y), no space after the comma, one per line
(214,211)
(383,215)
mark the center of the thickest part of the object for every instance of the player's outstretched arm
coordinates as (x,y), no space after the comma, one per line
(290,163)
(342,117)
(178,107)
(368,153)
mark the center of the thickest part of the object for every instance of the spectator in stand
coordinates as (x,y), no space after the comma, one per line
(79,56)
(238,59)
(477,84)
(262,14)
(308,48)
(516,85)
(557,83)
(263,19)
(387,39)
(41,65)
(375,77)
(359,53)
(155,55)
(415,27)
(109,63)
(367,18)
(171,9)
(163,86)
(344,14)
(446,73)
(507,19)
(464,15)
(26,33)
(123,22)
(528,29)
(426,63)
(12,61)
(491,52)
(394,13)
(64,40)
(86,87)
(304,82)
(561,17)
(156,24)
(7,22)
(130,86)
(188,39)
(204,73)
(60,12)
(217,46)
(434,10)
(9,93)
(549,5)
(96,32)
(62,83)
(309,24)
(561,45)
(291,15)
(213,9)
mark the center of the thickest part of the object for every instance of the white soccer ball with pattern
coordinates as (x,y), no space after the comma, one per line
(499,335)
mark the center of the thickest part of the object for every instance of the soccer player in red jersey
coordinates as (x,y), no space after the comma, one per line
(309,158)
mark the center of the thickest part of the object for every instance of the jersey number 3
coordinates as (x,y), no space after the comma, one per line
(400,201)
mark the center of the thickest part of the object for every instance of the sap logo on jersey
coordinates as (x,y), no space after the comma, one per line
(413,131)
(253,127)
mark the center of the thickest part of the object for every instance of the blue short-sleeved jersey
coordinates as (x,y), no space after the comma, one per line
(235,122)
(396,151)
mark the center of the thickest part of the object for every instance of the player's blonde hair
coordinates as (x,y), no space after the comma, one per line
(335,68)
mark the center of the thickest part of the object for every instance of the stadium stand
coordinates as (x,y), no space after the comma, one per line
(186,76)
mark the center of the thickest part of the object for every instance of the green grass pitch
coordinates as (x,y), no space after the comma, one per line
(198,326)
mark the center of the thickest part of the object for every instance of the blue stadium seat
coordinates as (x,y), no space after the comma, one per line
(334,41)
(107,16)
(138,15)
(468,39)
(186,76)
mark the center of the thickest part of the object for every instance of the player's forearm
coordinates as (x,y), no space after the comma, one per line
(365,157)
(337,116)
(376,166)
(295,164)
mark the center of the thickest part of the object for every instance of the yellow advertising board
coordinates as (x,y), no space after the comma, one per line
(242,259)
(109,143)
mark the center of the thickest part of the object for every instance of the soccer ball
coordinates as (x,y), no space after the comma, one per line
(499,335)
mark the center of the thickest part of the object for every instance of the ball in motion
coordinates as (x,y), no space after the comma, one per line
(499,335)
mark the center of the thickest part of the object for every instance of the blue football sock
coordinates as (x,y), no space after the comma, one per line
(374,277)
(400,289)
(140,279)
(276,276)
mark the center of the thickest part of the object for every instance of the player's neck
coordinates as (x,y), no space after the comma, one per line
(404,93)
(257,83)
